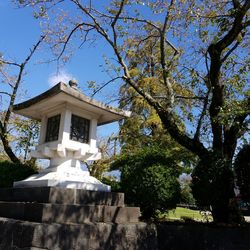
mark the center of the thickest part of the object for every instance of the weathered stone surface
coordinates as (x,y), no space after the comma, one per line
(110,236)
(195,236)
(21,235)
(59,213)
(61,196)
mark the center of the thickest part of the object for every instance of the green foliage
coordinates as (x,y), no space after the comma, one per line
(242,170)
(10,172)
(186,194)
(149,180)
(113,182)
(27,135)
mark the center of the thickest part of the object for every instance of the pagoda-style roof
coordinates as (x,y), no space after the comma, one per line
(62,93)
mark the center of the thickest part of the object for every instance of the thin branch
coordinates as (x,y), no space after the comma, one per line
(163,58)
(10,63)
(193,70)
(85,37)
(135,19)
(190,97)
(146,38)
(7,78)
(233,48)
(118,13)
(5,93)
(68,38)
(114,22)
(17,83)
(172,46)
(182,97)
(104,85)
(229,52)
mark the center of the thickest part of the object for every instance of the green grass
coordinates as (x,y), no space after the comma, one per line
(183,214)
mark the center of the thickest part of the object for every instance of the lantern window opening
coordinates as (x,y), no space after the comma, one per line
(80,128)
(52,131)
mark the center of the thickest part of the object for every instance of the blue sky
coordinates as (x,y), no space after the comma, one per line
(20,31)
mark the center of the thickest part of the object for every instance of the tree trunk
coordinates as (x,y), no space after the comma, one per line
(227,212)
(8,149)
(213,185)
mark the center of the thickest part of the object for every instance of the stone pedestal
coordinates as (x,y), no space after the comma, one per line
(58,218)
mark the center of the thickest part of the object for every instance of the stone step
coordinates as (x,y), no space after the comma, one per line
(61,196)
(20,235)
(65,214)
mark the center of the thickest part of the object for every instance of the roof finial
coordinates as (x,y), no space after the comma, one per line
(73,83)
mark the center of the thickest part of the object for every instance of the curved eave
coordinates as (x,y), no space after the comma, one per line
(62,93)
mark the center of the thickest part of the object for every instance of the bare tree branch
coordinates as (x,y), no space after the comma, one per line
(10,63)
(5,93)
(232,49)
(104,85)
(18,81)
(69,37)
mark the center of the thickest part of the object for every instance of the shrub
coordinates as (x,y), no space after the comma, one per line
(10,172)
(149,179)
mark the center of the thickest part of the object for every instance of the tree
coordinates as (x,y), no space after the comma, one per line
(13,83)
(108,149)
(186,191)
(242,170)
(27,132)
(209,39)
(149,180)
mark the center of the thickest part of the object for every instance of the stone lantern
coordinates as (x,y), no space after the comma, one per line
(69,121)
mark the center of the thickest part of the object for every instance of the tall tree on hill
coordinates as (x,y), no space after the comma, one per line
(210,39)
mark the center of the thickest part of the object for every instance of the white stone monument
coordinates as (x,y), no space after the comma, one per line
(69,121)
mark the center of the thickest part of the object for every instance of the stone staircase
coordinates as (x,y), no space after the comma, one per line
(58,218)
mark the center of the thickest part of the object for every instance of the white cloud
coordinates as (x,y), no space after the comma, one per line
(61,76)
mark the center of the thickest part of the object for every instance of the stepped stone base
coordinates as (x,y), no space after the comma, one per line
(21,235)
(62,218)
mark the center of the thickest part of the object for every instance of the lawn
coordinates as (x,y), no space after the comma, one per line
(181,213)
